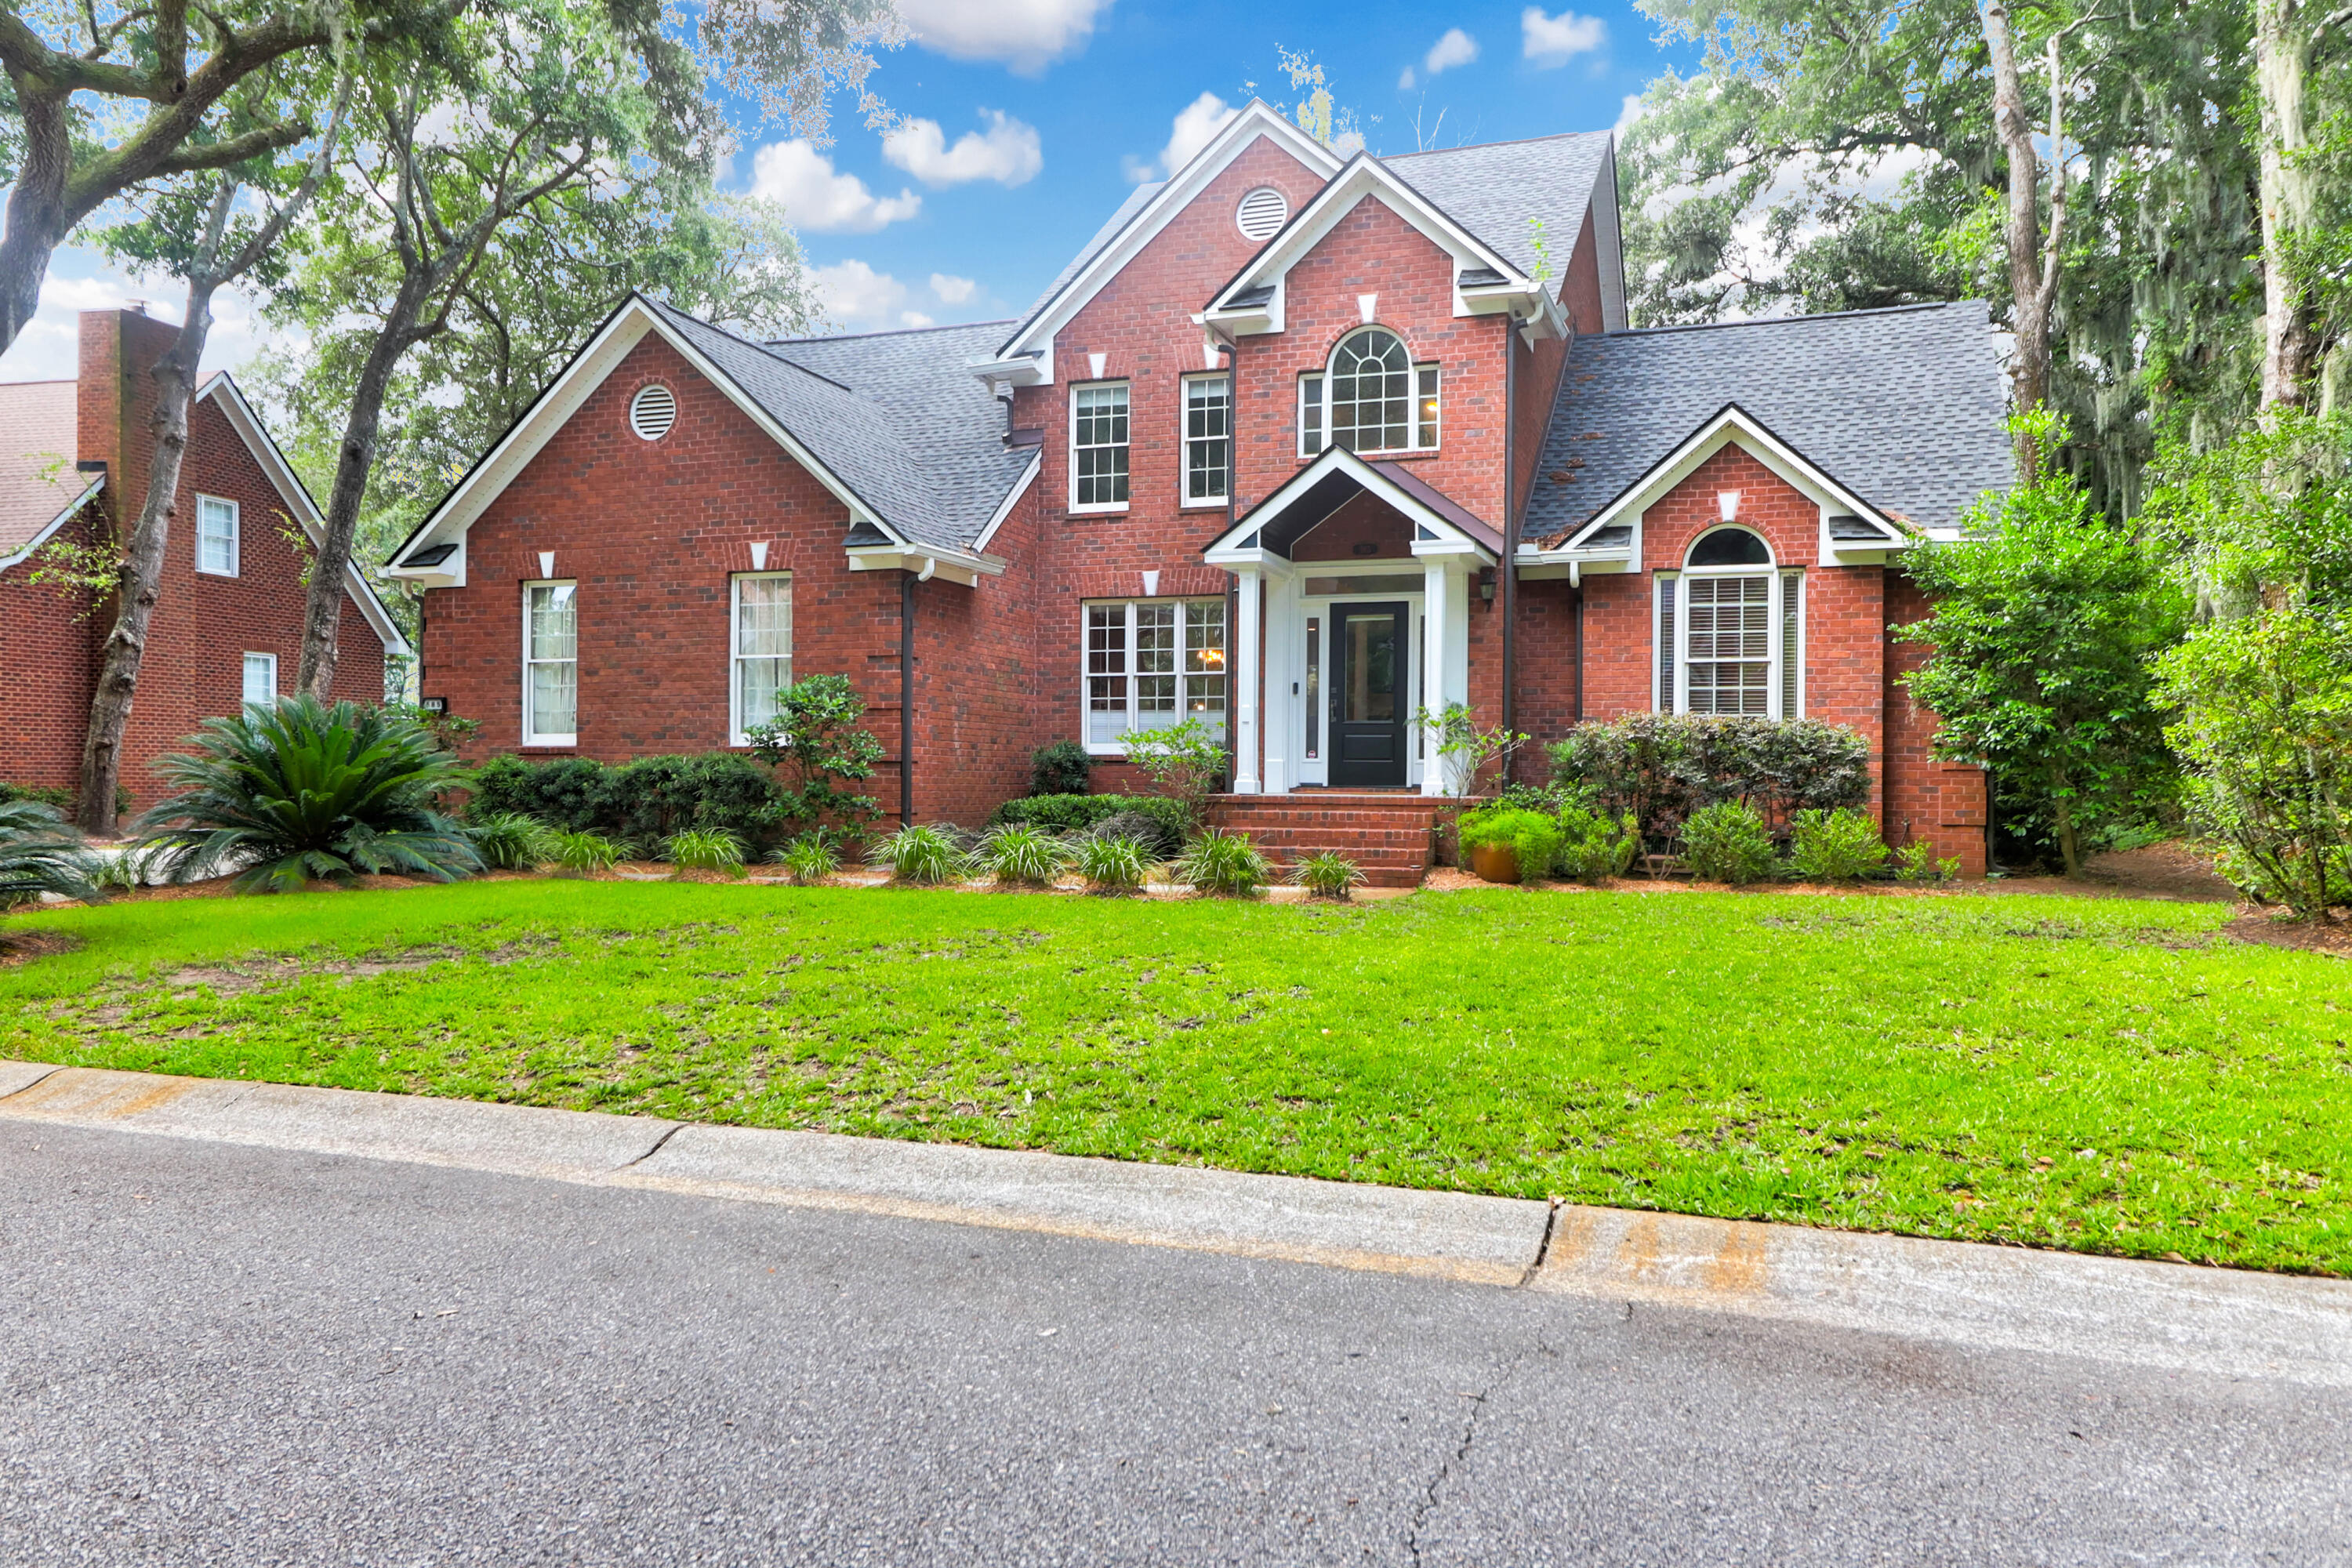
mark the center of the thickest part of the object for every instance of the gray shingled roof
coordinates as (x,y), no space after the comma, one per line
(861,405)
(1492,190)
(1904,408)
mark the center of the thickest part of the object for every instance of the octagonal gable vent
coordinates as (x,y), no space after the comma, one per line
(1261,212)
(653,410)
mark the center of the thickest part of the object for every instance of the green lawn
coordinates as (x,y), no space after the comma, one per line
(2107,1075)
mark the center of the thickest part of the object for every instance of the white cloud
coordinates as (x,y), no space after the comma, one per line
(1556,40)
(1406,80)
(854,295)
(952,291)
(1192,129)
(49,348)
(1007,152)
(1455,48)
(818,200)
(1027,35)
(1628,112)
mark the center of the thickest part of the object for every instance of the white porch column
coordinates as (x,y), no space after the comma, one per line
(1279,726)
(1437,614)
(1247,779)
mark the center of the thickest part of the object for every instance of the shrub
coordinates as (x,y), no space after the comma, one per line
(578,853)
(1328,874)
(510,841)
(1023,853)
(1836,846)
(656,798)
(922,854)
(297,789)
(707,849)
(1727,842)
(1113,862)
(560,791)
(811,857)
(1184,762)
(1917,862)
(1462,748)
(1151,824)
(817,740)
(1664,766)
(1164,824)
(1595,847)
(1533,836)
(57,797)
(1224,863)
(1061,768)
(41,854)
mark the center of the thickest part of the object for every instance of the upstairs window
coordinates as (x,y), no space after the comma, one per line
(1371,397)
(1098,447)
(1208,440)
(216,536)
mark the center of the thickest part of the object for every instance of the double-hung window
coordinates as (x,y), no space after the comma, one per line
(551,664)
(1370,397)
(1208,440)
(216,536)
(260,678)
(1730,631)
(762,617)
(1152,664)
(1098,447)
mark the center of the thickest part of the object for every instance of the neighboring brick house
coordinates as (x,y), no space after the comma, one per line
(1257,457)
(74,457)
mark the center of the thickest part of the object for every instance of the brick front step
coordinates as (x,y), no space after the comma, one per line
(1388,835)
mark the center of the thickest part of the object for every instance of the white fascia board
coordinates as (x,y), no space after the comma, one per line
(223,391)
(1228,550)
(925,562)
(1259,559)
(1015,370)
(1610,243)
(1733,424)
(48,529)
(1255,120)
(1011,498)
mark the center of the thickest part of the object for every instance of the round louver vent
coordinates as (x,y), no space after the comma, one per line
(653,410)
(1263,211)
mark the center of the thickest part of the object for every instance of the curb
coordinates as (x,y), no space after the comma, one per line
(2209,1320)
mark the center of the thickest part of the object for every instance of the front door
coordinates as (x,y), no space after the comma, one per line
(1370,644)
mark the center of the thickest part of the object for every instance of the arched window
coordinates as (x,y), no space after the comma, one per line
(1736,646)
(1370,398)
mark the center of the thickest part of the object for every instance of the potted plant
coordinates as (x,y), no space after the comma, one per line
(1509,843)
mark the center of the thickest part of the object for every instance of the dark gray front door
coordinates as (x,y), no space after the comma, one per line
(1370,696)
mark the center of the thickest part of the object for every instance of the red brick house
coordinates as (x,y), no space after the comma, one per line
(1295,446)
(74,457)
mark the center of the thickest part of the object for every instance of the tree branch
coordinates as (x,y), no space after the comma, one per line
(235,149)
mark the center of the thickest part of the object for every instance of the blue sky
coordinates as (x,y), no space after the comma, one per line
(1028,120)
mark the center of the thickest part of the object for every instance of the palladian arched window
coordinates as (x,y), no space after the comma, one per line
(1370,397)
(1731,629)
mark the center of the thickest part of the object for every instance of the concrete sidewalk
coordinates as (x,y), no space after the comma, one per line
(2151,1315)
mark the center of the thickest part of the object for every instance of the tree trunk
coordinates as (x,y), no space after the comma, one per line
(2029,369)
(36,211)
(2070,847)
(2290,332)
(143,567)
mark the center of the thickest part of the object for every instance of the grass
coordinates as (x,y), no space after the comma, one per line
(2104,1075)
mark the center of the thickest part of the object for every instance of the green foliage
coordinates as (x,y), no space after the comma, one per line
(562,791)
(1226,863)
(705,849)
(1328,874)
(57,797)
(1533,836)
(297,790)
(1727,842)
(1113,862)
(449,731)
(510,841)
(1842,845)
(1060,767)
(2042,635)
(1023,853)
(810,858)
(819,740)
(922,854)
(39,853)
(1663,766)
(1463,746)
(1184,762)
(1596,847)
(1917,862)
(578,853)
(1160,822)
(654,798)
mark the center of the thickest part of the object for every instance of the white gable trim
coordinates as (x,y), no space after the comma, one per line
(288,485)
(1011,498)
(48,529)
(1255,120)
(589,369)
(1734,426)
(1238,546)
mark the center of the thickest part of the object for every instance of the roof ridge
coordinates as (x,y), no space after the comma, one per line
(1475,146)
(887,332)
(1785,321)
(758,347)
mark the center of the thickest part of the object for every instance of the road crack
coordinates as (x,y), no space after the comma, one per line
(1448,1465)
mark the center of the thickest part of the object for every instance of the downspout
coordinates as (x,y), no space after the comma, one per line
(1576,608)
(1508,567)
(906,580)
(1232,592)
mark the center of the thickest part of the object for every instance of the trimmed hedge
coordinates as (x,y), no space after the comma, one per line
(643,802)
(1079,813)
(1664,767)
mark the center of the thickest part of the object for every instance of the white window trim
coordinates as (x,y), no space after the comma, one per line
(1071,437)
(735,657)
(529,739)
(236,536)
(1085,698)
(1185,497)
(244,663)
(1322,378)
(1779,579)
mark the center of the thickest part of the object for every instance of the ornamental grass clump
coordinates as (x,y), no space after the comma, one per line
(581,854)
(809,860)
(41,854)
(1224,863)
(1113,863)
(1727,842)
(295,790)
(1023,854)
(922,855)
(1328,874)
(705,849)
(1842,845)
(510,841)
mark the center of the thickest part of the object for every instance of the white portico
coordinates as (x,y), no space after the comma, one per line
(1354,581)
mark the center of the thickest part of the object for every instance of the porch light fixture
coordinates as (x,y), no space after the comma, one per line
(1729,501)
(1487,586)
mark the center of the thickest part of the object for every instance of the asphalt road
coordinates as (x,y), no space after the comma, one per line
(215,1354)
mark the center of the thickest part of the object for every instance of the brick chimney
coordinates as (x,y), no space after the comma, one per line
(116,398)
